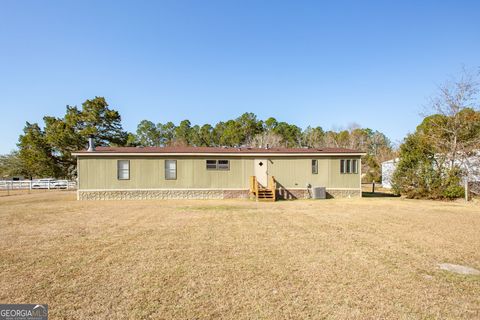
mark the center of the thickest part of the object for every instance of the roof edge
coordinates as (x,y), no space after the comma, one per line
(233,154)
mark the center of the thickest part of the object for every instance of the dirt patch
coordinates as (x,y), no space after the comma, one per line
(459,269)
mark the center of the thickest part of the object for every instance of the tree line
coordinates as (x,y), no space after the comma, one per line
(46,151)
(432,160)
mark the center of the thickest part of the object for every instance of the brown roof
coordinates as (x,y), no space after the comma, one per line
(244,150)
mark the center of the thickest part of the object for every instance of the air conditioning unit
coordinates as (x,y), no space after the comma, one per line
(319,193)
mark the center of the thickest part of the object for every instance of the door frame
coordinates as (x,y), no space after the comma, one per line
(261,171)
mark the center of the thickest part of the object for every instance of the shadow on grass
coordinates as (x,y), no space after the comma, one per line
(379,195)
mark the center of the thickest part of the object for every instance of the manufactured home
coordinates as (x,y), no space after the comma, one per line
(109,173)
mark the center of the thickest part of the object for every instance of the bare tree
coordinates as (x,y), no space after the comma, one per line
(264,139)
(453,123)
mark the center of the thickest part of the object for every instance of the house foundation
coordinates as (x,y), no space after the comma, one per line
(171,194)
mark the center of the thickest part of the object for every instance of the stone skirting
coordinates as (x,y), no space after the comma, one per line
(282,193)
(160,194)
(290,194)
(344,193)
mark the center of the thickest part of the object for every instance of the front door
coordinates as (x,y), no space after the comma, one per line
(260,170)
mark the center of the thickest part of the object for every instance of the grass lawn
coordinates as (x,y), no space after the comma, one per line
(232,259)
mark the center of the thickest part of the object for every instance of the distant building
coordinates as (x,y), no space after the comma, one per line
(388,168)
(471,167)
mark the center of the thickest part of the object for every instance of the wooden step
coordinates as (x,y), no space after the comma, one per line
(265,195)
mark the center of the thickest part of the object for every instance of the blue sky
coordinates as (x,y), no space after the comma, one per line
(330,64)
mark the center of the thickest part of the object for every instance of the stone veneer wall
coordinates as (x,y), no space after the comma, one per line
(306,194)
(161,194)
(345,193)
(204,194)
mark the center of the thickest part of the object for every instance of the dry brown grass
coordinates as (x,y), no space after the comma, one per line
(232,259)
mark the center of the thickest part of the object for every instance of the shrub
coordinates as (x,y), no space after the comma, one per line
(453,192)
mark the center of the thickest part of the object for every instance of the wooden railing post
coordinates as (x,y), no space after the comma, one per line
(272,185)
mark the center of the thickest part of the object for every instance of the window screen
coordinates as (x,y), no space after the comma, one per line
(314,166)
(218,164)
(123,169)
(170,169)
(342,166)
(212,164)
(223,165)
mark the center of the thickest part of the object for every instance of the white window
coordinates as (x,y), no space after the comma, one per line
(315,166)
(123,169)
(218,164)
(354,166)
(170,169)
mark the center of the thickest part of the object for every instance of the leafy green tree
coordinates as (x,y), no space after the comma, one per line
(195,138)
(423,171)
(313,137)
(167,133)
(36,154)
(290,133)
(11,165)
(432,159)
(132,140)
(371,168)
(183,133)
(98,120)
(270,124)
(148,134)
(249,127)
(51,147)
(231,134)
(207,135)
(418,174)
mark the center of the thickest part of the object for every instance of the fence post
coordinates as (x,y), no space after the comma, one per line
(466,190)
(373,186)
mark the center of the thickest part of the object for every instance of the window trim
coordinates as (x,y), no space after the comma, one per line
(165,169)
(214,162)
(354,166)
(223,169)
(314,166)
(349,166)
(217,165)
(118,169)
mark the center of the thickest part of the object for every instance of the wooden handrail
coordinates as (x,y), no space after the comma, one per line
(254,185)
(272,185)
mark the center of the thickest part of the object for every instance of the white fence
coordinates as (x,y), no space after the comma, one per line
(37,184)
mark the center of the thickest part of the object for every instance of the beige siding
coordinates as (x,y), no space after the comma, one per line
(297,173)
(149,173)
